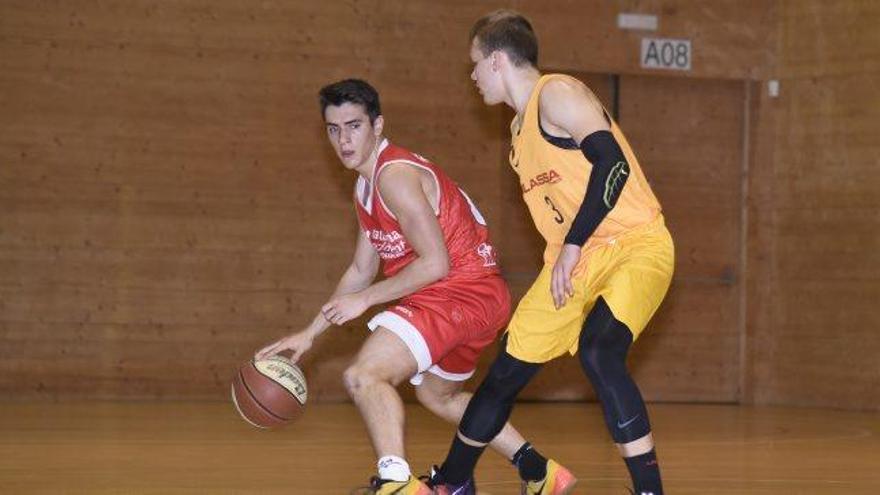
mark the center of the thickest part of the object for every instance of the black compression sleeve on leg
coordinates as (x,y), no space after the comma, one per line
(609,174)
(492,403)
(486,414)
(604,344)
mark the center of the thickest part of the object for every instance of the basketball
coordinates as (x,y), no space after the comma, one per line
(269,392)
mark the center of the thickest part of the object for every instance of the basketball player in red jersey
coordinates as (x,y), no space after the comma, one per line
(434,249)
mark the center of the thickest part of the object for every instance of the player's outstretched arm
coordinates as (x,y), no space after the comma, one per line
(402,192)
(357,277)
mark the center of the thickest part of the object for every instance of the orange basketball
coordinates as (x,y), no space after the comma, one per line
(269,392)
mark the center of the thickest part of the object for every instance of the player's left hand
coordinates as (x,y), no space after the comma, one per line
(345,308)
(560,283)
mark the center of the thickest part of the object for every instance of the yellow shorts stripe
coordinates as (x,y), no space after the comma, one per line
(632,274)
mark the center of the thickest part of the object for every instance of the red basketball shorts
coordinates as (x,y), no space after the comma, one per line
(446,325)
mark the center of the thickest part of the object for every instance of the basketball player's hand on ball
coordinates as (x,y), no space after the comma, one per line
(560,283)
(345,308)
(298,343)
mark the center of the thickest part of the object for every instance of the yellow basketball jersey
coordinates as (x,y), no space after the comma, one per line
(554,180)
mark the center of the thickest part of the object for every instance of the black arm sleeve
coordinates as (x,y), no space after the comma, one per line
(607,179)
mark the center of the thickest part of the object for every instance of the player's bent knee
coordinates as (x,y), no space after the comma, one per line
(604,344)
(356,378)
(350,379)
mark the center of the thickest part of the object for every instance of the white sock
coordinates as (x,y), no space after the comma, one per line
(393,468)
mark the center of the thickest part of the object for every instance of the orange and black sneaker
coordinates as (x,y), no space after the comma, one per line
(441,487)
(559,481)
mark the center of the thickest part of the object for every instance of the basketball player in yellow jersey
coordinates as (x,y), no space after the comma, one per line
(608,261)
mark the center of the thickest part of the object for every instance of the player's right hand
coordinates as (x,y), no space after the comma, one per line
(298,343)
(560,282)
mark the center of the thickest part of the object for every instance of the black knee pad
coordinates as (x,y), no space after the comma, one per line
(492,403)
(603,347)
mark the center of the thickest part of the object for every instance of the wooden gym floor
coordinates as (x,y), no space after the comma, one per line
(191,447)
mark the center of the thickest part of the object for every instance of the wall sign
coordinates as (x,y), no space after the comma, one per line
(666,53)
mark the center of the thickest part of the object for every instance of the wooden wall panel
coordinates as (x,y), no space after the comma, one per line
(729,39)
(168,202)
(815,254)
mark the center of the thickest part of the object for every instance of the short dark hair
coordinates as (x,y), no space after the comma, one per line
(509,31)
(351,91)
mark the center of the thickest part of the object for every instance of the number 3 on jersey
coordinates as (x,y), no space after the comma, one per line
(557,215)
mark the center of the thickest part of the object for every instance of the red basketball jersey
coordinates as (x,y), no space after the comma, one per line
(464,229)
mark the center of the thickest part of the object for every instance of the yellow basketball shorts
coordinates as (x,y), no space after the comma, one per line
(632,273)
